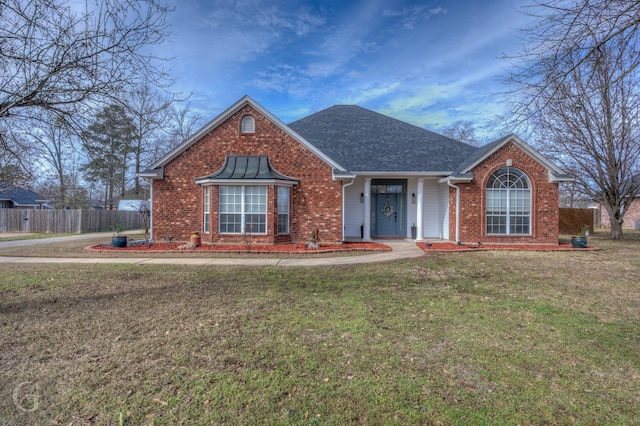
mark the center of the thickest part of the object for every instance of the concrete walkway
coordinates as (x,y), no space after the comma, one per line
(401,249)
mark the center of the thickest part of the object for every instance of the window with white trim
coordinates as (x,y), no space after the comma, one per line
(283,209)
(207,209)
(508,203)
(243,208)
(248,124)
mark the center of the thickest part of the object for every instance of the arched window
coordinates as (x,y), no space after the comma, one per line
(248,124)
(508,203)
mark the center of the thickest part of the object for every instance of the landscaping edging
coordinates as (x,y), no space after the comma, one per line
(284,249)
(451,247)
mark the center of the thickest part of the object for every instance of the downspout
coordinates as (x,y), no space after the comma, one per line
(457,188)
(151,211)
(343,207)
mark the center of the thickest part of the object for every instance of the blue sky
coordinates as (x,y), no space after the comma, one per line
(429,63)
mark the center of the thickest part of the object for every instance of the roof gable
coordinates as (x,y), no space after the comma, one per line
(156,168)
(465,168)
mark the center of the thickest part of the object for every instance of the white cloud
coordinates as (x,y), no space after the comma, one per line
(412,16)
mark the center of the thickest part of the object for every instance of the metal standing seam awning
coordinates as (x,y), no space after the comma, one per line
(239,169)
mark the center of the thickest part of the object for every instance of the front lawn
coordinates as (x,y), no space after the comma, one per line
(450,338)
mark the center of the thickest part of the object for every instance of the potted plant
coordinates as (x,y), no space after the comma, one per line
(313,239)
(580,241)
(196,239)
(118,240)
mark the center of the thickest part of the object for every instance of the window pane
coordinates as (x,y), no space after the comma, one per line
(230,223)
(283,210)
(255,199)
(207,209)
(255,223)
(230,199)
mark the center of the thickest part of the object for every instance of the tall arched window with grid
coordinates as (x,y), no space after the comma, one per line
(508,203)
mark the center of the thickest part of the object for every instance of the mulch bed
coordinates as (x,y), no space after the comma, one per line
(446,246)
(241,249)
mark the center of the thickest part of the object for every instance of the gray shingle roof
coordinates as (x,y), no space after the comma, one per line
(478,154)
(361,140)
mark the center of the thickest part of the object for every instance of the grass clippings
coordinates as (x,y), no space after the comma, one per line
(495,337)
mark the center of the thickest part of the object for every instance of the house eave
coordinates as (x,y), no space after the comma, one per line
(466,178)
(152,174)
(559,178)
(433,174)
(339,175)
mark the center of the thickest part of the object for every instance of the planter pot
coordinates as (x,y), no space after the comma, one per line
(196,239)
(414,233)
(119,241)
(579,242)
(313,244)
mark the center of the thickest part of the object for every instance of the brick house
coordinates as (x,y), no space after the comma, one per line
(631,216)
(350,173)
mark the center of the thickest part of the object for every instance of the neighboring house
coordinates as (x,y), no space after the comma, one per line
(351,173)
(14,197)
(632,215)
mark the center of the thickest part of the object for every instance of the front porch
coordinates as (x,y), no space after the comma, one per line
(396,207)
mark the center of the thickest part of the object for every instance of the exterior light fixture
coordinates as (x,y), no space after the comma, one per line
(413,198)
(362,197)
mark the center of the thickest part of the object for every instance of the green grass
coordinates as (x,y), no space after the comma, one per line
(469,338)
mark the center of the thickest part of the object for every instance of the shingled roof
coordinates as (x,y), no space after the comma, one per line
(361,140)
(19,196)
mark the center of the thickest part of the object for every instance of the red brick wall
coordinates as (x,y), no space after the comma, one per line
(544,208)
(316,202)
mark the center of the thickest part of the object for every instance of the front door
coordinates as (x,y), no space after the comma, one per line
(388,212)
(387,215)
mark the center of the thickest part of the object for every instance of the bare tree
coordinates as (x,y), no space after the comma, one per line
(55,57)
(16,169)
(180,124)
(584,105)
(566,35)
(53,143)
(463,131)
(148,110)
(184,122)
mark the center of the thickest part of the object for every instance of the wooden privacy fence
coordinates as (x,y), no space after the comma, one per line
(67,221)
(572,220)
